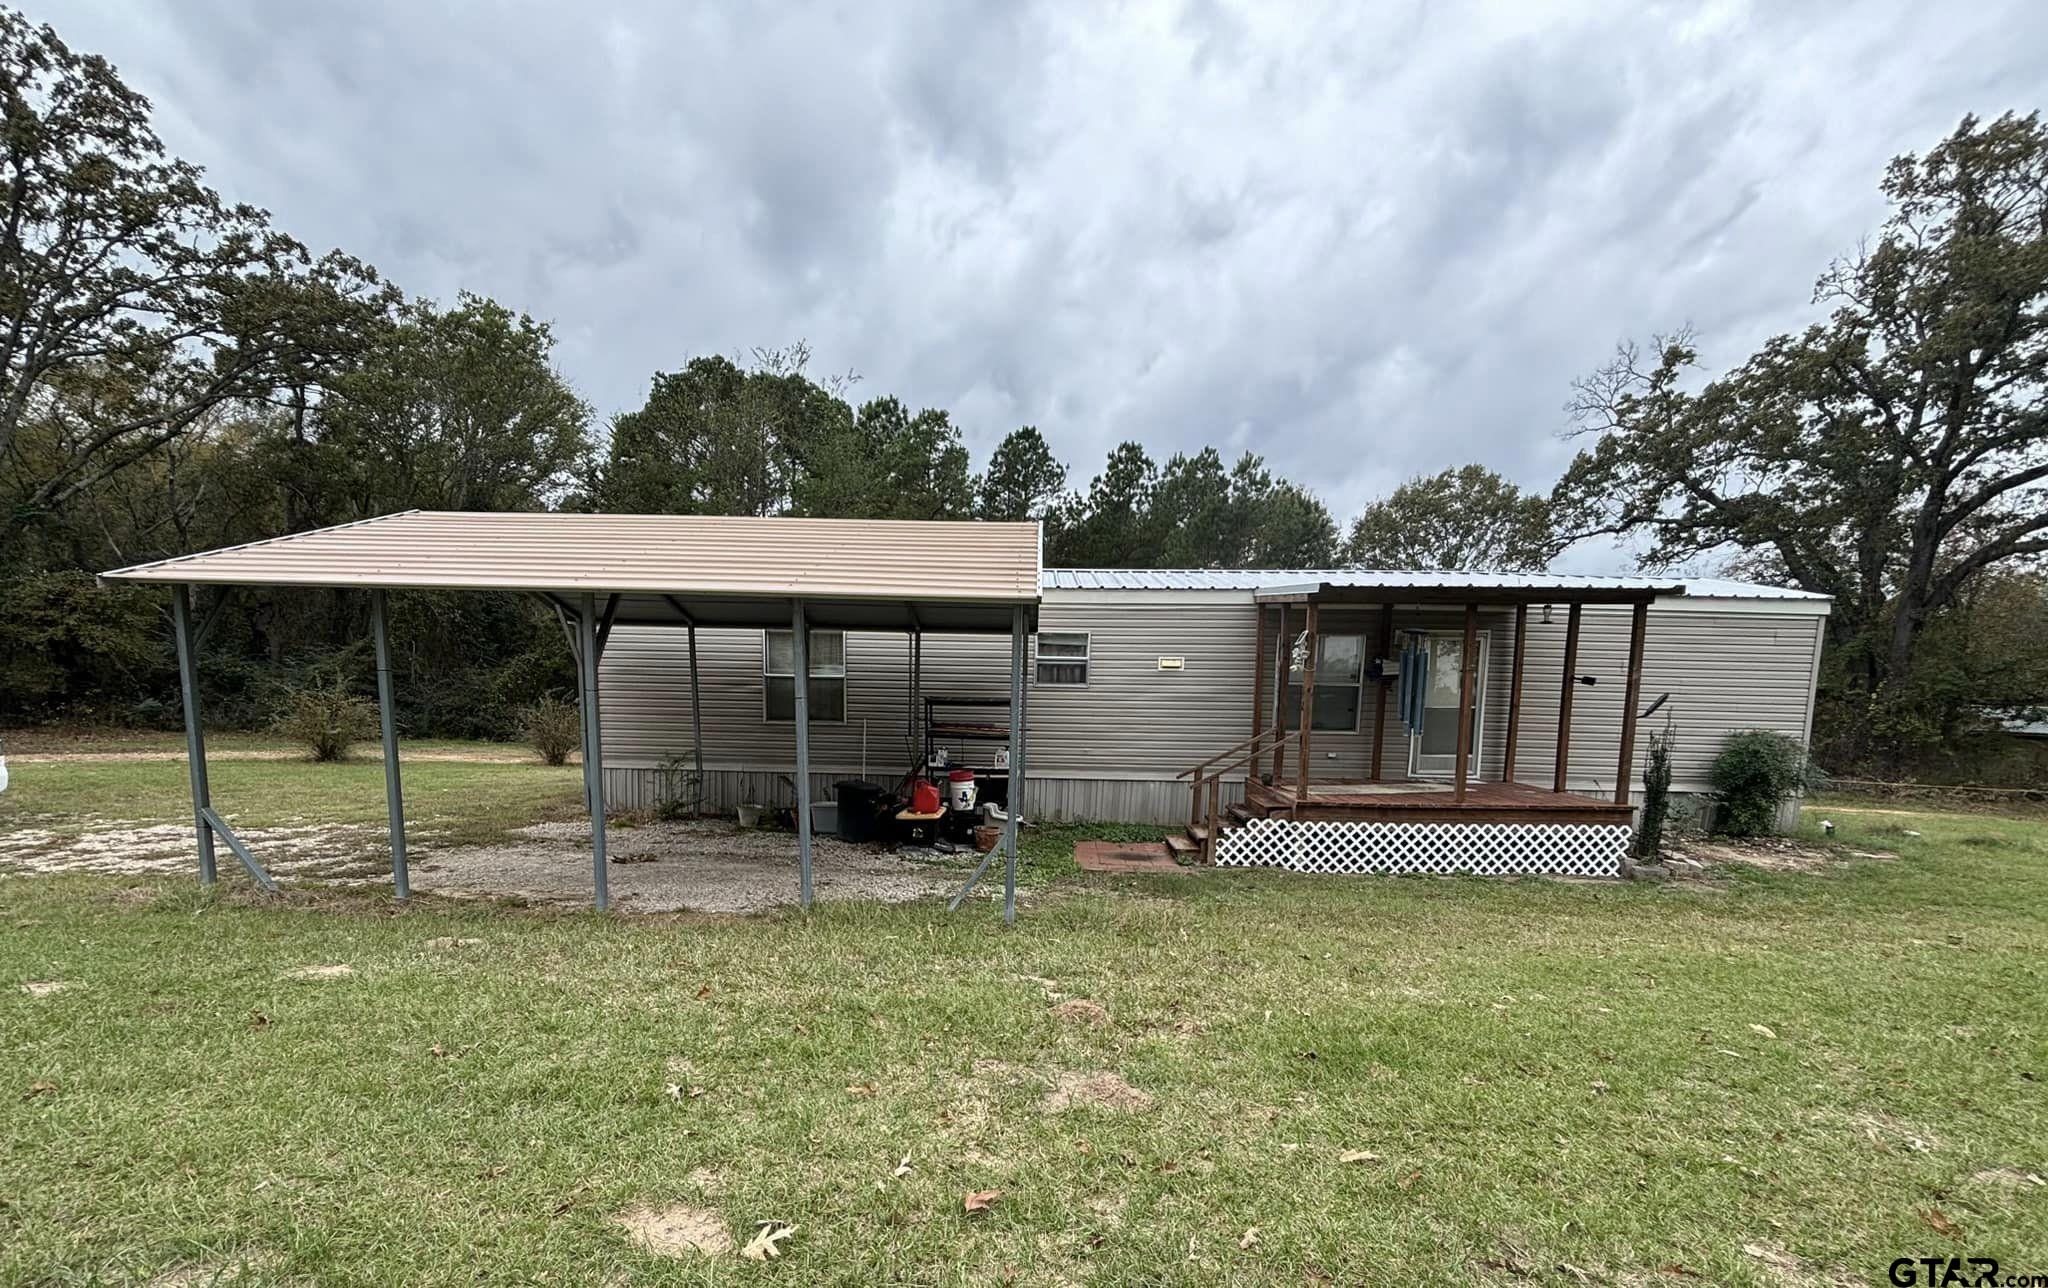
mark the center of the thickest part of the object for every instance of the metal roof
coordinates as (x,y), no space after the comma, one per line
(716,570)
(1281,579)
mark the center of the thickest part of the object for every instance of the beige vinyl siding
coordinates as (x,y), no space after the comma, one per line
(1131,720)
(1110,749)
(1725,671)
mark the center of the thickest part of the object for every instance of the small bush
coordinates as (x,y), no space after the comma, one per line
(681,789)
(327,720)
(1656,798)
(1754,772)
(553,728)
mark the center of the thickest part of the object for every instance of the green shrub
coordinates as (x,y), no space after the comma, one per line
(327,720)
(552,727)
(1656,798)
(1755,771)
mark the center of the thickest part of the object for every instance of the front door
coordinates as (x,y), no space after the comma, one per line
(1433,750)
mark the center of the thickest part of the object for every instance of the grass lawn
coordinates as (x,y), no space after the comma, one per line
(451,800)
(1780,1078)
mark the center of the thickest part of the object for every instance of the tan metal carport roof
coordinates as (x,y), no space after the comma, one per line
(666,569)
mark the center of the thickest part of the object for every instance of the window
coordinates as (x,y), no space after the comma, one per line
(1340,679)
(1063,658)
(828,676)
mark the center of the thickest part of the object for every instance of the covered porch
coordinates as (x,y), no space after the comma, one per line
(1405,701)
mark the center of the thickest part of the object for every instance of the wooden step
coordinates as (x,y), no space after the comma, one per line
(1181,845)
(1198,833)
(1240,814)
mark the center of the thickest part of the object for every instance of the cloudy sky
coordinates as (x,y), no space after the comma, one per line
(1366,241)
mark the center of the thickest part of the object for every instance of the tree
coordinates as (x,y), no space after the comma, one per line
(889,464)
(1023,479)
(1468,518)
(134,300)
(1106,528)
(1888,456)
(458,409)
(721,438)
(1292,530)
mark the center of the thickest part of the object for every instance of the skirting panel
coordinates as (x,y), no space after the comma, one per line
(1386,849)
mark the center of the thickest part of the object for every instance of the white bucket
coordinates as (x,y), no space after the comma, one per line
(962,792)
(750,815)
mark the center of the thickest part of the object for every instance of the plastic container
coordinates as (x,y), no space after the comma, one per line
(961,791)
(924,798)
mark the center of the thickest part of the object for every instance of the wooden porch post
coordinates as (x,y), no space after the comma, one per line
(1308,706)
(1507,761)
(1468,662)
(1564,701)
(1379,701)
(1624,776)
(1259,660)
(1283,649)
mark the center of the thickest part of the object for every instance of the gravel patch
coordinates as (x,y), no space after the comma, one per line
(697,865)
(168,849)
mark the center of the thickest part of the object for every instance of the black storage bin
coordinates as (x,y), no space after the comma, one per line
(860,809)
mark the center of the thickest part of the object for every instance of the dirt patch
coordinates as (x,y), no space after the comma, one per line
(2006,1178)
(45,987)
(1079,1010)
(338,970)
(1095,1091)
(1764,853)
(166,849)
(676,1230)
(700,865)
(508,755)
(257,1269)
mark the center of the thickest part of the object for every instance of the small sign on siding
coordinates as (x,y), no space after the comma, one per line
(1173,664)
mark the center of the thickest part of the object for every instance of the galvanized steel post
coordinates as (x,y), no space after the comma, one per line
(593,752)
(800,646)
(195,739)
(394,796)
(1018,648)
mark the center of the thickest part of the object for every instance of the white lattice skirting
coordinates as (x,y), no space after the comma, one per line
(1385,849)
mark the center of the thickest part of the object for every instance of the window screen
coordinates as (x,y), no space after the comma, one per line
(1340,676)
(828,676)
(1062,658)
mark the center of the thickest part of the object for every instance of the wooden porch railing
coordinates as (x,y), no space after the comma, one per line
(1208,782)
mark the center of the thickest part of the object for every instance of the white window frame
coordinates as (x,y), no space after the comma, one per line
(1086,661)
(846,693)
(1293,689)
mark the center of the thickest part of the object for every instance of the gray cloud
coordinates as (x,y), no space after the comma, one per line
(1365,241)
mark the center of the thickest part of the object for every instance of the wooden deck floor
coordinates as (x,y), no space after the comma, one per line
(1387,802)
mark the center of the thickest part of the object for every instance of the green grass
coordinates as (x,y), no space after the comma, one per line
(1549,1074)
(457,801)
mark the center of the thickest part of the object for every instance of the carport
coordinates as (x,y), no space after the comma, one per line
(599,571)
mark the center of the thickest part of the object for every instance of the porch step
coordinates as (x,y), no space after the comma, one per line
(1182,846)
(1198,833)
(1240,814)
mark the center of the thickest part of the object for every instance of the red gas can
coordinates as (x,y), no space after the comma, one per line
(924,798)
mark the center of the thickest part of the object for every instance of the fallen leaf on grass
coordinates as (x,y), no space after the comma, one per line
(1408,1181)
(704,993)
(861,1089)
(903,1168)
(1598,1086)
(1763,1031)
(980,1201)
(37,1088)
(1250,1239)
(258,1020)
(1938,1221)
(764,1245)
(1358,1156)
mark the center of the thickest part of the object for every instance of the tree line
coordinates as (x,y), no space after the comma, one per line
(177,373)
